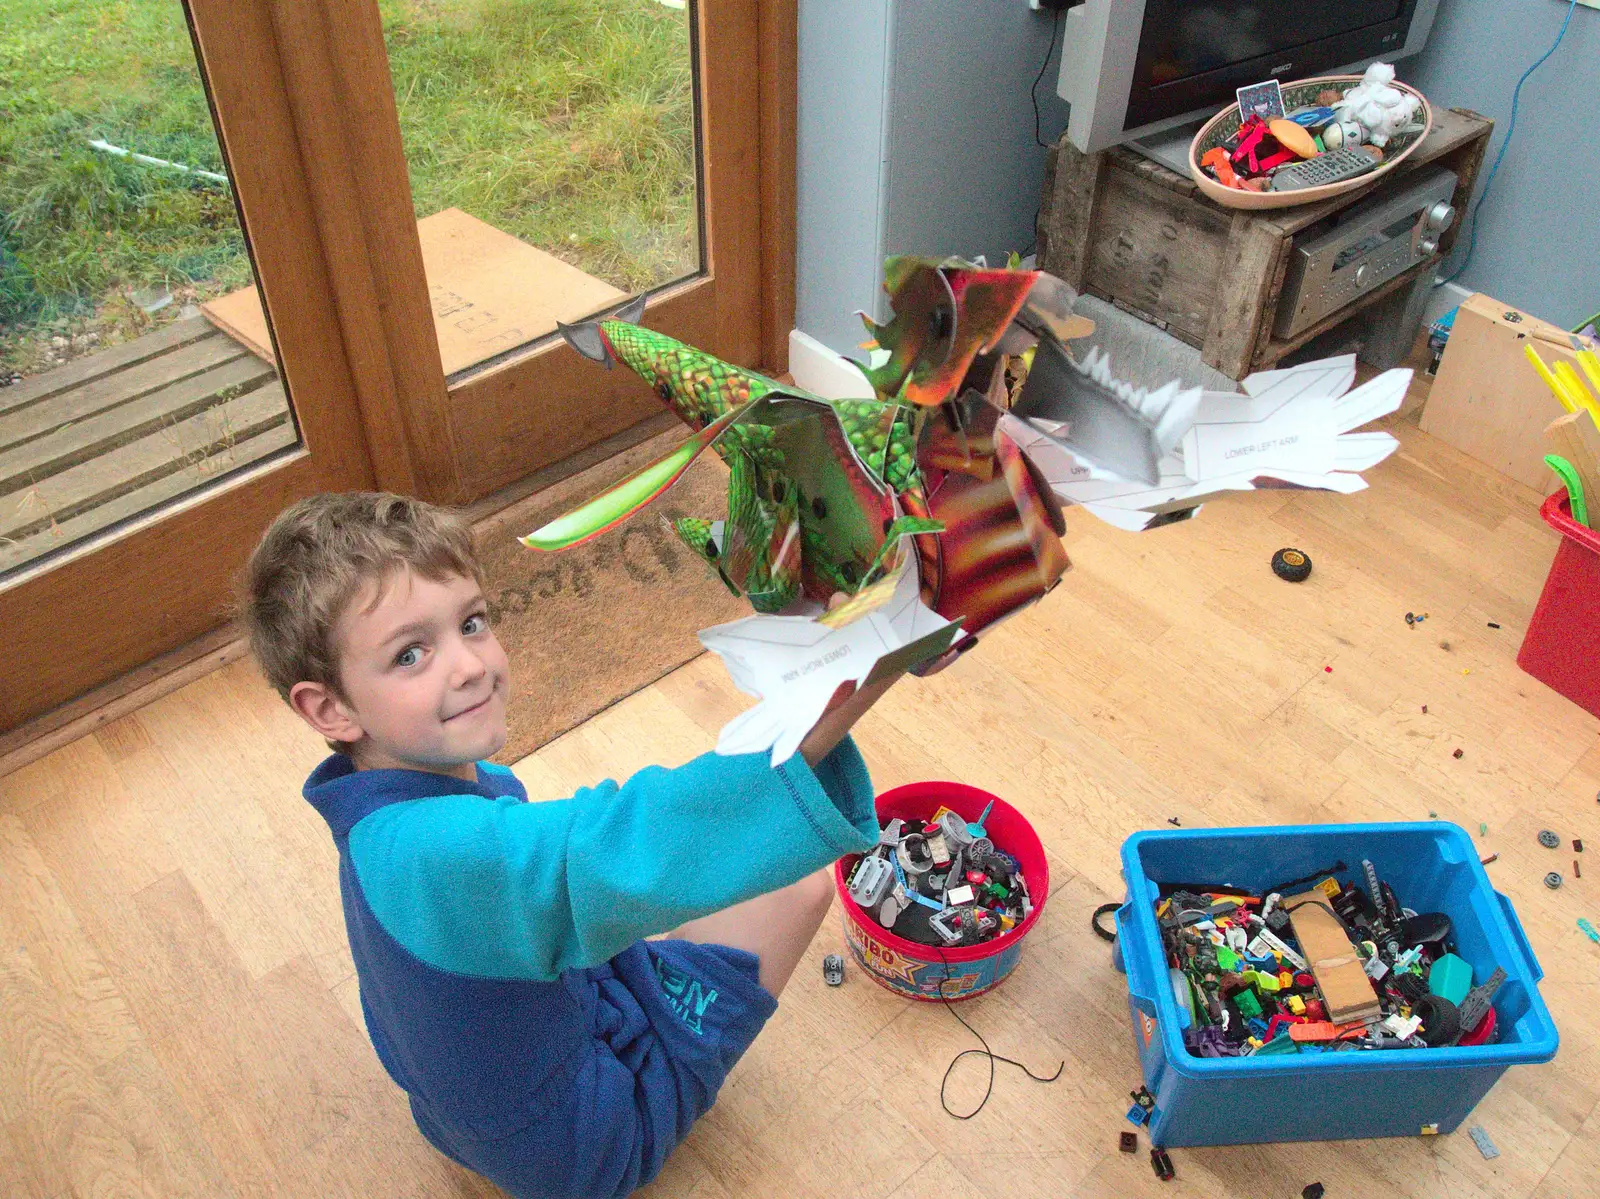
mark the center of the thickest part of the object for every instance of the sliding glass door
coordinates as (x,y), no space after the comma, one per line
(253,249)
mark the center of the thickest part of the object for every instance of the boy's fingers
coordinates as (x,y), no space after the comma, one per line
(937,664)
(841,693)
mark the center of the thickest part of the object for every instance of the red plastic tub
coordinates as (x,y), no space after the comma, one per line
(916,971)
(1562,646)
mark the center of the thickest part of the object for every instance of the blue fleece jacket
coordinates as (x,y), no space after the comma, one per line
(498,944)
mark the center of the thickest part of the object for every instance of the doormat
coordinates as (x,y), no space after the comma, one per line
(588,626)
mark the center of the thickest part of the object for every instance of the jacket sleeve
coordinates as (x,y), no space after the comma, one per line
(507,889)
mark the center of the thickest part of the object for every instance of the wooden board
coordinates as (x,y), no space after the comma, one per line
(80,371)
(1487,400)
(1575,438)
(1344,984)
(188,475)
(489,292)
(206,442)
(112,436)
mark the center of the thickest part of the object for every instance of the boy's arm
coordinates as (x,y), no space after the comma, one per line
(506,889)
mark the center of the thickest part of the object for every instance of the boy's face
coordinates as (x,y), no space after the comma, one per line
(424,679)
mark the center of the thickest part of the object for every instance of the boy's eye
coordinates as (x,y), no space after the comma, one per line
(474,624)
(410,656)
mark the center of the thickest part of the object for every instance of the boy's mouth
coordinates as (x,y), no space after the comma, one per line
(474,708)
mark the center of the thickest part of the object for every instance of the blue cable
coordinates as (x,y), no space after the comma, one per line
(1511,127)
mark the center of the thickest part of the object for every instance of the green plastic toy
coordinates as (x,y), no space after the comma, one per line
(1450,978)
(1574,485)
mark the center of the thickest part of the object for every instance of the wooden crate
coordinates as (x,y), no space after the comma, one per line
(1124,228)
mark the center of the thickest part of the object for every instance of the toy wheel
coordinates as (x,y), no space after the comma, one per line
(1441,1020)
(1292,565)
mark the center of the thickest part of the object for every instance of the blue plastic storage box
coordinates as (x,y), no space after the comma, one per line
(1433,867)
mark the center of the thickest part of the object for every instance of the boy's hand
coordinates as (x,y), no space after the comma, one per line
(848,705)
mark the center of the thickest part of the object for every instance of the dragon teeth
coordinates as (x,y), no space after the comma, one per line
(1170,409)
(1097,366)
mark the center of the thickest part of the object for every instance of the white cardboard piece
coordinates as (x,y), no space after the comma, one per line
(1292,425)
(794,664)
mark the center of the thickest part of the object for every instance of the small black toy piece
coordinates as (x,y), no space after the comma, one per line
(1161,1164)
(1128,1142)
(833,969)
(1292,565)
(1433,929)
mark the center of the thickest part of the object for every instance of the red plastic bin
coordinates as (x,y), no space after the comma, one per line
(1562,645)
(921,971)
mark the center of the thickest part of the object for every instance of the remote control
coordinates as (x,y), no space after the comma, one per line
(1333,167)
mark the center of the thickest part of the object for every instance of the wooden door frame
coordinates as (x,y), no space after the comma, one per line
(531,408)
(104,609)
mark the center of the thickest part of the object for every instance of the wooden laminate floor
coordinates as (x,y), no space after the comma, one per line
(178,1014)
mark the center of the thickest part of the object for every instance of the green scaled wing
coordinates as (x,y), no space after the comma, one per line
(611,508)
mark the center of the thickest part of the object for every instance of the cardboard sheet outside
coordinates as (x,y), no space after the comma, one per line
(489,292)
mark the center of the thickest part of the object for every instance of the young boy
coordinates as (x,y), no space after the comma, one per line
(499,944)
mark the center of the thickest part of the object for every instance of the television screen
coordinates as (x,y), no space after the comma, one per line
(1195,52)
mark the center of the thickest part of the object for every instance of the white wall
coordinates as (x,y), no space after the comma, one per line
(915,136)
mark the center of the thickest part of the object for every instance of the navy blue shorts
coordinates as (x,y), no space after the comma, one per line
(670,1019)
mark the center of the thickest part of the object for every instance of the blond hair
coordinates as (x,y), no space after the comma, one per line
(318,555)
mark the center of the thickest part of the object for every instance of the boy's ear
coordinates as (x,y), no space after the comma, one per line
(318,706)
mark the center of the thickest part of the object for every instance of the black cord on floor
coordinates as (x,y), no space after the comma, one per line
(985,1052)
(1094,922)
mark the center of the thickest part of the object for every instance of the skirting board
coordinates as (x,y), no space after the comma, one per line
(818,369)
(1442,299)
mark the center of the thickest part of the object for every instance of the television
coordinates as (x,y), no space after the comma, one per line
(1146,71)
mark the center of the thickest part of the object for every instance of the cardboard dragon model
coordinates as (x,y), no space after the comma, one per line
(932,499)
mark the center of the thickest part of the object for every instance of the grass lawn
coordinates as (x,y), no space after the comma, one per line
(568,123)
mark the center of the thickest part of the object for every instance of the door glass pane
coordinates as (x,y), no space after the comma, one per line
(552,152)
(123,385)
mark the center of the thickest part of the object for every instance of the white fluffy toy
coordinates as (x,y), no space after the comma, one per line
(1378,108)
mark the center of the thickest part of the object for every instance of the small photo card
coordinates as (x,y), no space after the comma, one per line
(1264,100)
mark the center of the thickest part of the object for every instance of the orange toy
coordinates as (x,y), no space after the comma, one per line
(1292,136)
(1217,160)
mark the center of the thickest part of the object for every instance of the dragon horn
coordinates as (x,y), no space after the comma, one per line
(587,338)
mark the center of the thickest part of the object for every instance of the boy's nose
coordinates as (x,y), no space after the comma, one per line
(468,667)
